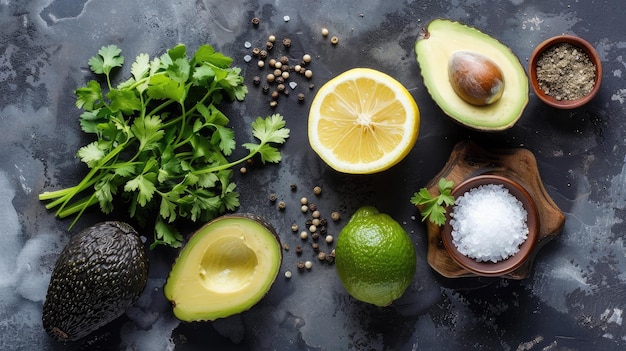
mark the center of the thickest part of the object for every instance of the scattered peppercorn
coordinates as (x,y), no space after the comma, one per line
(274,95)
(315,236)
(284,60)
(285,75)
(323,222)
(297,68)
(334,40)
(286,247)
(309,222)
(255,21)
(304,235)
(315,246)
(329,239)
(270,77)
(278,64)
(316,214)
(300,97)
(256,51)
(280,87)
(282,205)
(298,249)
(335,216)
(272,197)
(280,79)
(294,227)
(256,80)
(271,38)
(287,42)
(287,274)
(263,54)
(269,45)
(317,190)
(324,32)
(300,265)
(323,230)
(311,86)
(272,62)
(330,258)
(243,170)
(306,58)
(273,103)
(293,187)
(304,208)
(321,256)
(313,207)
(286,92)
(308,264)
(315,222)
(308,73)
(266,88)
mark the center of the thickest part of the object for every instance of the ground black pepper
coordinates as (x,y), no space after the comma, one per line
(565,72)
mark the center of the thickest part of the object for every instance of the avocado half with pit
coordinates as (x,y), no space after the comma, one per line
(225,268)
(449,52)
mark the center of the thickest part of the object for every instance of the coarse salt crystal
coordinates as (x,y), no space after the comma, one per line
(488,223)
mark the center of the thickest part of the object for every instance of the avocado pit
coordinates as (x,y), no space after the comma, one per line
(475,78)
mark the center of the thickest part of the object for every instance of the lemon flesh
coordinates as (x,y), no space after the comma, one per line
(441,39)
(363,121)
(374,257)
(226,267)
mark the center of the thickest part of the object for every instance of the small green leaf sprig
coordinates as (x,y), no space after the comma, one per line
(434,208)
(162,143)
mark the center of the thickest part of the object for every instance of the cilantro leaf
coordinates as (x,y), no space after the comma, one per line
(108,58)
(148,130)
(89,96)
(434,207)
(91,154)
(140,67)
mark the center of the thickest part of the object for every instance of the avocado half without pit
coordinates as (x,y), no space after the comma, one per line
(225,268)
(475,79)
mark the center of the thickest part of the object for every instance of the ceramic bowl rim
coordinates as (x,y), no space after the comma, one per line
(510,264)
(576,41)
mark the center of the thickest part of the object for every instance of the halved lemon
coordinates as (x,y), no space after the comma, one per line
(363,121)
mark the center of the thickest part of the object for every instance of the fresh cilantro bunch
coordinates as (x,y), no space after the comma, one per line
(434,208)
(162,143)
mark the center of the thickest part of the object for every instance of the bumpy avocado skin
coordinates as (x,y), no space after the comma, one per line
(99,274)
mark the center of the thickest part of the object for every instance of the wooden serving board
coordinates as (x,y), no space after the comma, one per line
(468,160)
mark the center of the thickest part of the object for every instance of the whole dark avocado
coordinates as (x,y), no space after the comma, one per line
(99,274)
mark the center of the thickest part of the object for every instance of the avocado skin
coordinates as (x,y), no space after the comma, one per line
(99,274)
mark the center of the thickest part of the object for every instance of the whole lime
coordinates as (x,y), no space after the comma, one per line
(375,257)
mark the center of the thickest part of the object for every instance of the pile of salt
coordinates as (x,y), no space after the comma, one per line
(488,223)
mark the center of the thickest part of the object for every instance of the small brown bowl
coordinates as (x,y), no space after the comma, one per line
(578,42)
(502,267)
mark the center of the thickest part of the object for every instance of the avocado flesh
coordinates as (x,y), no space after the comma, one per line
(433,49)
(227,266)
(100,273)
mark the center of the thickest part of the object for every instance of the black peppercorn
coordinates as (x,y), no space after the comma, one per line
(287,42)
(256,80)
(255,21)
